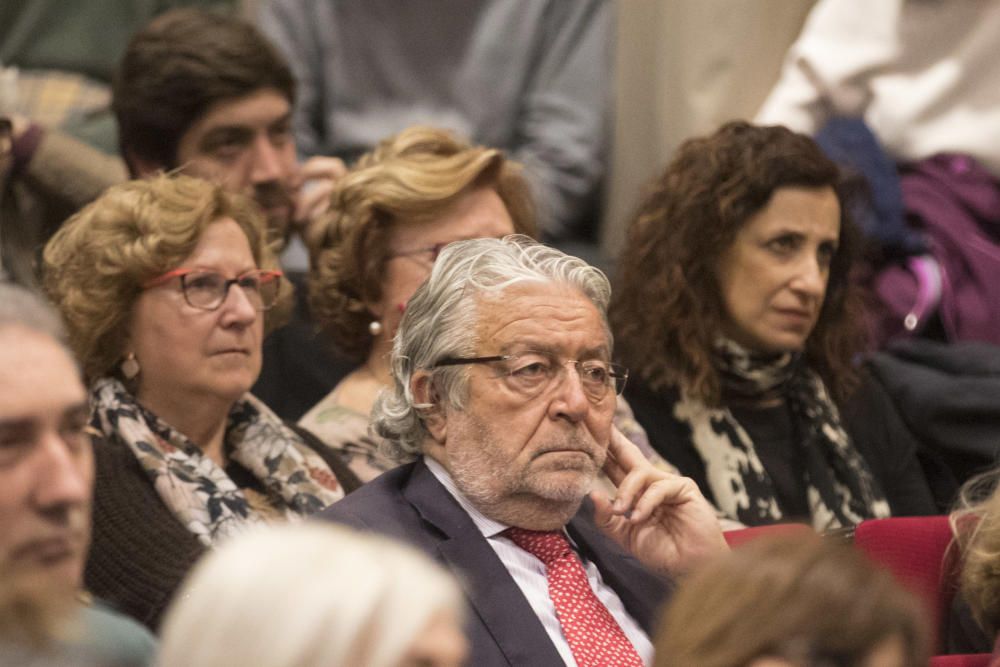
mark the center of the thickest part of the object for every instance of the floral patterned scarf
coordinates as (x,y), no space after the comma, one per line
(841,490)
(198,492)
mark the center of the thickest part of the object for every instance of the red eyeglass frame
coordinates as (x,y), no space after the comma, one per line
(266,274)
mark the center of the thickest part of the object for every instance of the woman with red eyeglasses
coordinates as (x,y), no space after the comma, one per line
(166,286)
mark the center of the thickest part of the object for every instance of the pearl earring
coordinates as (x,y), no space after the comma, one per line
(374,327)
(130,366)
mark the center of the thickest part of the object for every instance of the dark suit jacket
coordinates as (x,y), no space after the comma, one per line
(408,503)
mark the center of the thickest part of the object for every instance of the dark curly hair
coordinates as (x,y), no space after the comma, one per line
(668,307)
(410,177)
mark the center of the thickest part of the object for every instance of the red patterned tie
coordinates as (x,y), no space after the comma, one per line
(594,637)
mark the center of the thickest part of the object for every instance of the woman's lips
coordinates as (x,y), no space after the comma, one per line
(795,313)
(233,350)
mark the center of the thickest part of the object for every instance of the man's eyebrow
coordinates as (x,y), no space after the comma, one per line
(527,346)
(16,424)
(81,409)
(282,122)
(225,134)
(596,352)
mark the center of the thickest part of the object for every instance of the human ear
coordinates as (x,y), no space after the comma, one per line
(428,402)
(141,167)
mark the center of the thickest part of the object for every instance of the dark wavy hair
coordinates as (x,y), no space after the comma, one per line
(178,66)
(668,307)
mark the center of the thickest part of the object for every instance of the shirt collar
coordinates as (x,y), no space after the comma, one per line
(487,526)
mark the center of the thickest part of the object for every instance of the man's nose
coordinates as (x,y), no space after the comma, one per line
(63,475)
(267,161)
(570,401)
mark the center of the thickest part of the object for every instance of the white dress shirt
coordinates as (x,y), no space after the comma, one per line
(529,575)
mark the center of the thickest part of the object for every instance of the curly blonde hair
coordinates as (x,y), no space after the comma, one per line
(976,526)
(408,178)
(95,266)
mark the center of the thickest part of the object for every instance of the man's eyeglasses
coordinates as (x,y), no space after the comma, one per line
(208,290)
(532,373)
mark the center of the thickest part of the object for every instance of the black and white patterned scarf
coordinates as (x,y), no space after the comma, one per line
(195,489)
(841,490)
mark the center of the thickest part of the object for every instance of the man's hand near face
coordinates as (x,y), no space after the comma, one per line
(316,179)
(661,519)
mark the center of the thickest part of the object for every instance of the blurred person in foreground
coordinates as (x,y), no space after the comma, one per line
(165,284)
(321,596)
(795,601)
(501,409)
(46,477)
(734,309)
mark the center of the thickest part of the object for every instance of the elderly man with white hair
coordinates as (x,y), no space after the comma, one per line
(503,404)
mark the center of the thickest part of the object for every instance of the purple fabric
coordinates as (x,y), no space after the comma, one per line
(956,203)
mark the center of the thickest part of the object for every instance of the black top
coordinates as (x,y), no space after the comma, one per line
(300,364)
(869,419)
(773,433)
(139,551)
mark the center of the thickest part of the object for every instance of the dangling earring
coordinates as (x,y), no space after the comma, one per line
(130,366)
(374,327)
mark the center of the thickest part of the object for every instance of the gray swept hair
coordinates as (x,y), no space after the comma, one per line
(22,308)
(441,318)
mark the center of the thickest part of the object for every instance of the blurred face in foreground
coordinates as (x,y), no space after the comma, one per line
(46,464)
(441,644)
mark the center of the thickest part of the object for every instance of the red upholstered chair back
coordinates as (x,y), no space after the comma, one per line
(967,660)
(915,549)
(734,538)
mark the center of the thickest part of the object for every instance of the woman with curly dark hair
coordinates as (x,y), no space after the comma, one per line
(736,314)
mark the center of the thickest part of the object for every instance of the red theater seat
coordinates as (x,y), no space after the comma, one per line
(968,660)
(915,549)
(737,537)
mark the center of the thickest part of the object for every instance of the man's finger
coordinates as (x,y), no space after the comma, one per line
(625,452)
(329,168)
(630,490)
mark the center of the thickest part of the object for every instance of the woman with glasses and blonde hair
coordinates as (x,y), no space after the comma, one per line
(390,216)
(164,285)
